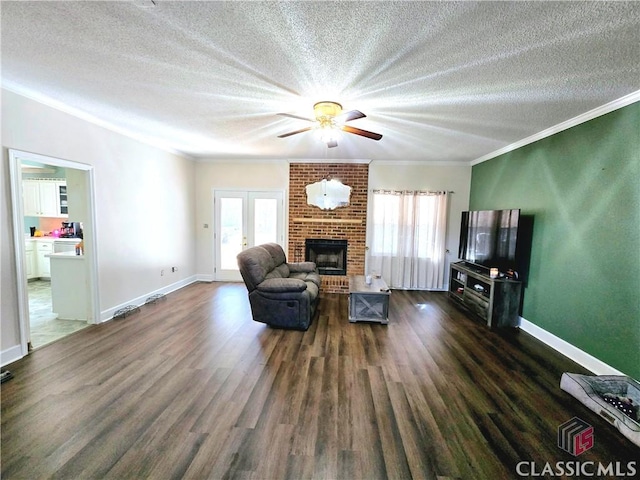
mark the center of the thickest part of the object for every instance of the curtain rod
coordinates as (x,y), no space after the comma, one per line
(418,192)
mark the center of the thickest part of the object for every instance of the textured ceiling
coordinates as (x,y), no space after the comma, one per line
(442,81)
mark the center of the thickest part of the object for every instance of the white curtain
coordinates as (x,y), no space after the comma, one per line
(408,238)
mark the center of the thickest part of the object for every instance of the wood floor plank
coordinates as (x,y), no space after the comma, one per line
(216,456)
(367,439)
(304,442)
(391,441)
(326,448)
(190,387)
(419,464)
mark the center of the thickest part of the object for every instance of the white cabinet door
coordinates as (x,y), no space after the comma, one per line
(49,199)
(30,256)
(31,271)
(31,196)
(62,203)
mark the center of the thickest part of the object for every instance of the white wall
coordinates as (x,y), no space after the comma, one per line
(145,205)
(456,179)
(233,175)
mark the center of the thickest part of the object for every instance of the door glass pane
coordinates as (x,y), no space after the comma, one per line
(230,232)
(265,220)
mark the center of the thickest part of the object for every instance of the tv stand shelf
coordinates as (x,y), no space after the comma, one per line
(494,300)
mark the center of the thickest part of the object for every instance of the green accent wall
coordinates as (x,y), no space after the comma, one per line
(582,187)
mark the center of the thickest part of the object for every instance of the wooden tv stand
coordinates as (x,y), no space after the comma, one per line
(494,300)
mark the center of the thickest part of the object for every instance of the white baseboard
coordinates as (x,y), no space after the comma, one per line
(581,357)
(139,301)
(201,277)
(10,355)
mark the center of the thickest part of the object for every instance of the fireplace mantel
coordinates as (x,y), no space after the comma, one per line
(327,220)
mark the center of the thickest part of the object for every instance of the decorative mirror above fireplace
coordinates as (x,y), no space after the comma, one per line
(328,194)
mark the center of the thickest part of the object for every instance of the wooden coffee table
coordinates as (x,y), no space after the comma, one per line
(368,303)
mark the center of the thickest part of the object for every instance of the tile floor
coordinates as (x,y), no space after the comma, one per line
(45,327)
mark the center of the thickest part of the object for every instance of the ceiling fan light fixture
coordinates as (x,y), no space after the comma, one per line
(329,121)
(326,110)
(328,133)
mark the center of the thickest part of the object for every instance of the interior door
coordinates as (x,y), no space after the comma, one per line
(243,219)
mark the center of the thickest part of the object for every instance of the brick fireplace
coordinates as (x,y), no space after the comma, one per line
(344,223)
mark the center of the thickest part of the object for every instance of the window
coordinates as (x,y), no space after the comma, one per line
(408,235)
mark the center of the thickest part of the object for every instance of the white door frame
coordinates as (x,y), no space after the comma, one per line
(15,160)
(248,195)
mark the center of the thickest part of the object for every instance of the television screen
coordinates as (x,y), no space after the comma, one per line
(488,238)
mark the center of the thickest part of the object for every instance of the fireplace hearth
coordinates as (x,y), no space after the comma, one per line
(329,255)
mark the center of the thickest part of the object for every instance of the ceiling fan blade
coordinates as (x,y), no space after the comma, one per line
(363,133)
(332,143)
(293,133)
(350,115)
(296,116)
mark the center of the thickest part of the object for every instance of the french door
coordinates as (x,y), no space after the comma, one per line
(243,219)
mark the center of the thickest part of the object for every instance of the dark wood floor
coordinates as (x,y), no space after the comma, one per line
(191,387)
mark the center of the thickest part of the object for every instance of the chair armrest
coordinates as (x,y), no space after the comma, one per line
(302,267)
(282,285)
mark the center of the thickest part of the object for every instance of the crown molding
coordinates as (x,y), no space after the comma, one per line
(248,160)
(326,160)
(572,122)
(77,113)
(421,163)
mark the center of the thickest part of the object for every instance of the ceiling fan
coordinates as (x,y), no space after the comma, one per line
(330,119)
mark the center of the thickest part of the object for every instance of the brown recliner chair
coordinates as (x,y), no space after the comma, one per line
(281,294)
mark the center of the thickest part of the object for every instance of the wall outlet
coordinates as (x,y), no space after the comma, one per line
(162,273)
(174,269)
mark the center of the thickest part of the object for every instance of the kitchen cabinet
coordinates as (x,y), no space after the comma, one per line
(45,198)
(70,286)
(31,198)
(44,265)
(63,204)
(30,257)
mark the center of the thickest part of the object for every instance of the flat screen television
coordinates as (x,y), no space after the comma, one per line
(489,238)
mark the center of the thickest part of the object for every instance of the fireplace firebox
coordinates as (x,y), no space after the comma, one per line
(329,255)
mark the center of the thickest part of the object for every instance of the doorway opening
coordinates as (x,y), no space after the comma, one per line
(49,195)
